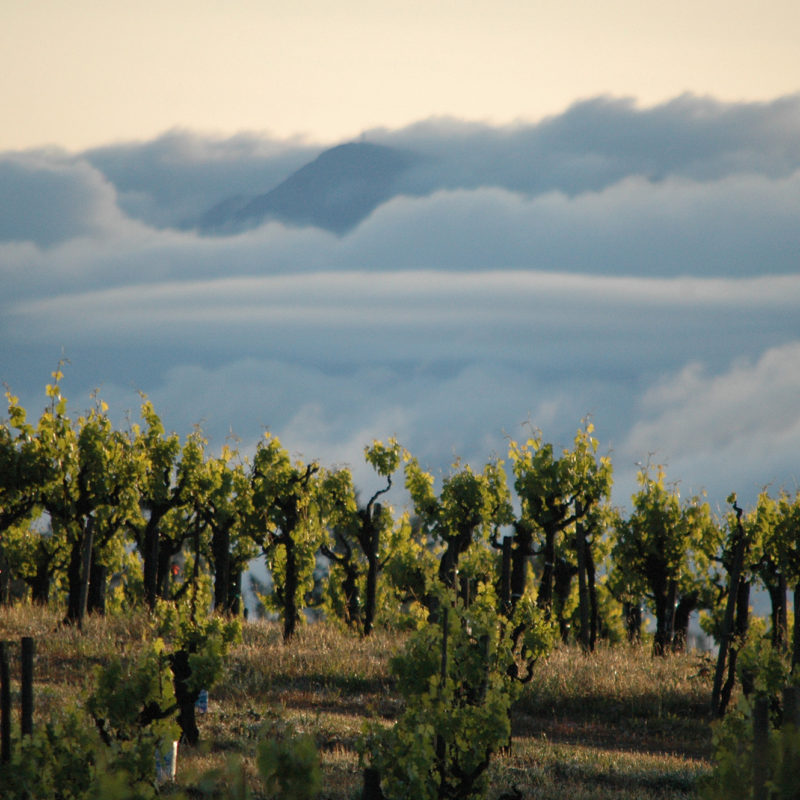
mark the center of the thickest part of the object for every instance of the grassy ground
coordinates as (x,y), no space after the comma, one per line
(614,724)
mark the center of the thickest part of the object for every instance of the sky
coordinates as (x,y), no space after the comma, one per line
(82,73)
(600,220)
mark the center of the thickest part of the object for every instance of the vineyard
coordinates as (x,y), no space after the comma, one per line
(489,641)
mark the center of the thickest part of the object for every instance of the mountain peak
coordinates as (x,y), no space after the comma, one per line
(335,191)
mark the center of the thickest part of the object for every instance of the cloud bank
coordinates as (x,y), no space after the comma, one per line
(641,266)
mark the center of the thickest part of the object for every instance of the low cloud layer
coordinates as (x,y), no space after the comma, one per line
(641,266)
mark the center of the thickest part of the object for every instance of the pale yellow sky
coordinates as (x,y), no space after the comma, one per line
(77,73)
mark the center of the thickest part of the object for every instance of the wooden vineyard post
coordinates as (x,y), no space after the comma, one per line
(88,543)
(27,686)
(760,748)
(583,589)
(441,747)
(791,706)
(505,578)
(796,629)
(5,705)
(372,785)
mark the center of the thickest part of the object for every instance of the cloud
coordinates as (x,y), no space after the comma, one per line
(742,225)
(741,425)
(449,362)
(601,141)
(180,175)
(47,199)
(472,314)
(593,145)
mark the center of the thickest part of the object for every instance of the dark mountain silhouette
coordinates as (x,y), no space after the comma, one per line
(336,191)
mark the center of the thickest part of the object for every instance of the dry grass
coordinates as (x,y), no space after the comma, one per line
(615,724)
(65,657)
(548,771)
(622,696)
